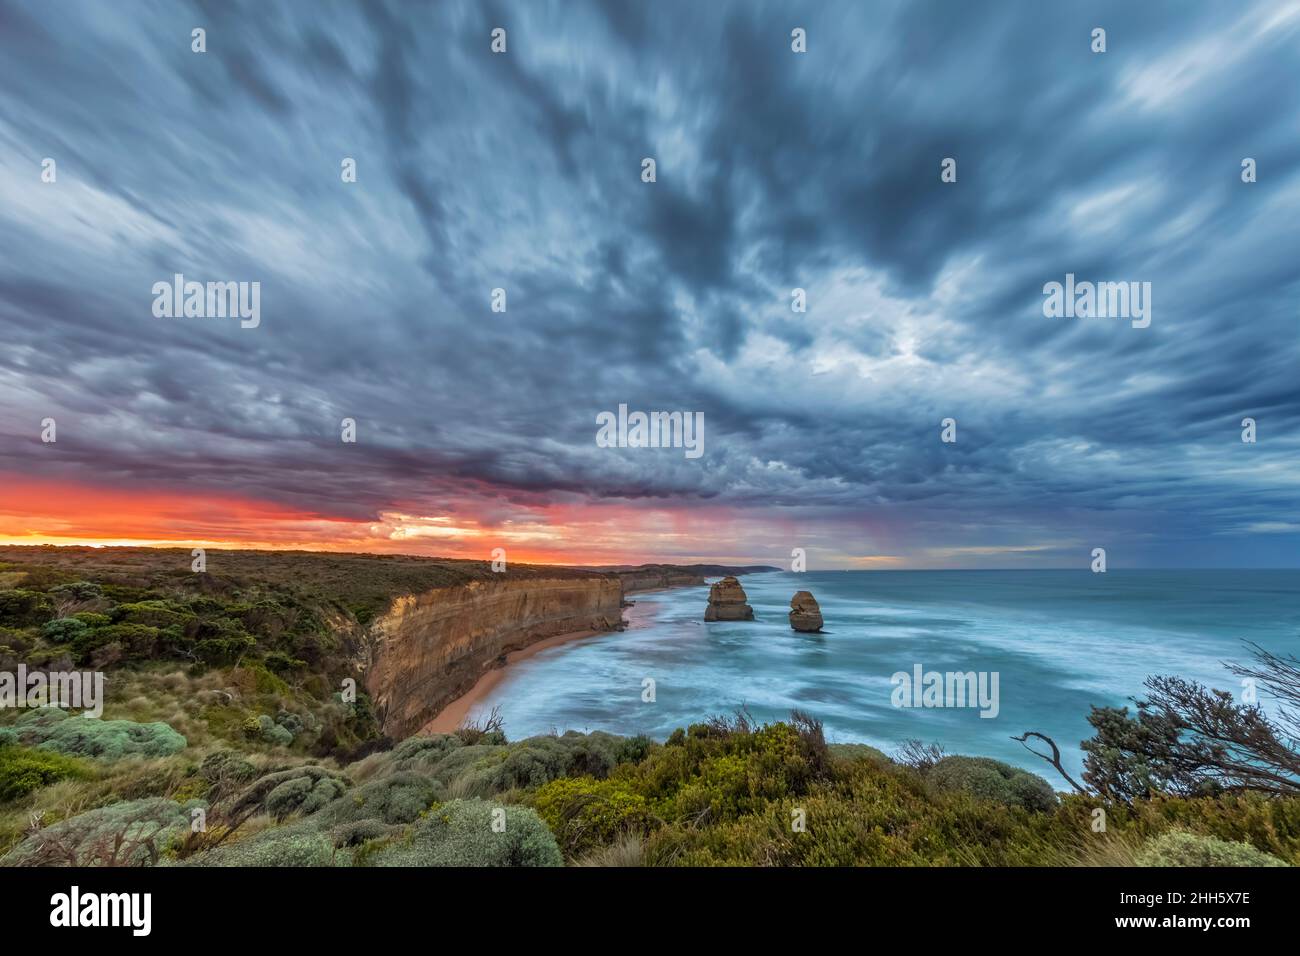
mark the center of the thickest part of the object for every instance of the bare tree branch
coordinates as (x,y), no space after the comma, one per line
(1054,759)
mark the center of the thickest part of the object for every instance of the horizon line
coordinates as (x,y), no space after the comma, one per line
(562,564)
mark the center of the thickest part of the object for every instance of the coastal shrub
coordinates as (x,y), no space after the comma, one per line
(290,722)
(361,832)
(295,845)
(866,814)
(994,780)
(130,833)
(716,776)
(268,731)
(50,728)
(539,760)
(23,770)
(423,748)
(76,592)
(159,614)
(1180,848)
(22,608)
(129,642)
(446,766)
(461,833)
(302,795)
(14,641)
(281,663)
(345,727)
(633,749)
(304,789)
(229,648)
(225,770)
(63,631)
(398,798)
(483,729)
(586,813)
(485,769)
(857,752)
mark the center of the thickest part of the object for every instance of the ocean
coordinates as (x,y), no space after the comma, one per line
(1057,641)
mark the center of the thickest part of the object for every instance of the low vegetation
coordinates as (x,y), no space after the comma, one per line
(225,742)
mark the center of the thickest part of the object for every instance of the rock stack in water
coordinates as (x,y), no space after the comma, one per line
(727,602)
(805,614)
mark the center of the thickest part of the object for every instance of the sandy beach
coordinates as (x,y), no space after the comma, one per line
(454,713)
(451,716)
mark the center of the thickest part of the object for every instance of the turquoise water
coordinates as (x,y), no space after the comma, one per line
(1059,641)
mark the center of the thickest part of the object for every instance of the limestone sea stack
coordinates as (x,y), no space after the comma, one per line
(805,614)
(727,602)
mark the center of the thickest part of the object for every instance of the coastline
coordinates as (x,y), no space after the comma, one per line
(451,716)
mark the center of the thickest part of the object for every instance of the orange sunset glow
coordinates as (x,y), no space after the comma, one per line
(36,512)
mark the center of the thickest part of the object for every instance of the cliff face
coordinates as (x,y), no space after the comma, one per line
(650,579)
(430,648)
(728,602)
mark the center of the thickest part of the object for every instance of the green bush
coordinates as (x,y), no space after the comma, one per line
(131,833)
(303,795)
(397,798)
(50,728)
(225,770)
(23,770)
(360,832)
(539,760)
(1180,848)
(77,591)
(423,749)
(304,790)
(586,813)
(857,752)
(993,780)
(295,845)
(224,650)
(135,641)
(633,749)
(19,608)
(264,728)
(461,834)
(159,614)
(281,663)
(63,631)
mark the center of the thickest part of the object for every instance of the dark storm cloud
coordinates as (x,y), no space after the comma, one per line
(775,171)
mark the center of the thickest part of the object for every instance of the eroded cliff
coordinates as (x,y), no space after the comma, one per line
(655,578)
(431,647)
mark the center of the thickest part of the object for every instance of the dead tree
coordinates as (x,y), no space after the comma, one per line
(1054,759)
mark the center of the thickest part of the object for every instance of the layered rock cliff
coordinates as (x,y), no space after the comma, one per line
(650,577)
(728,602)
(805,612)
(431,647)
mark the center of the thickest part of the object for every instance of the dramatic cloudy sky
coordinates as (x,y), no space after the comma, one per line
(776,170)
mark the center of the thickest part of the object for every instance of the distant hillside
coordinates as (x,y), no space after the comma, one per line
(707,570)
(365,584)
(650,577)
